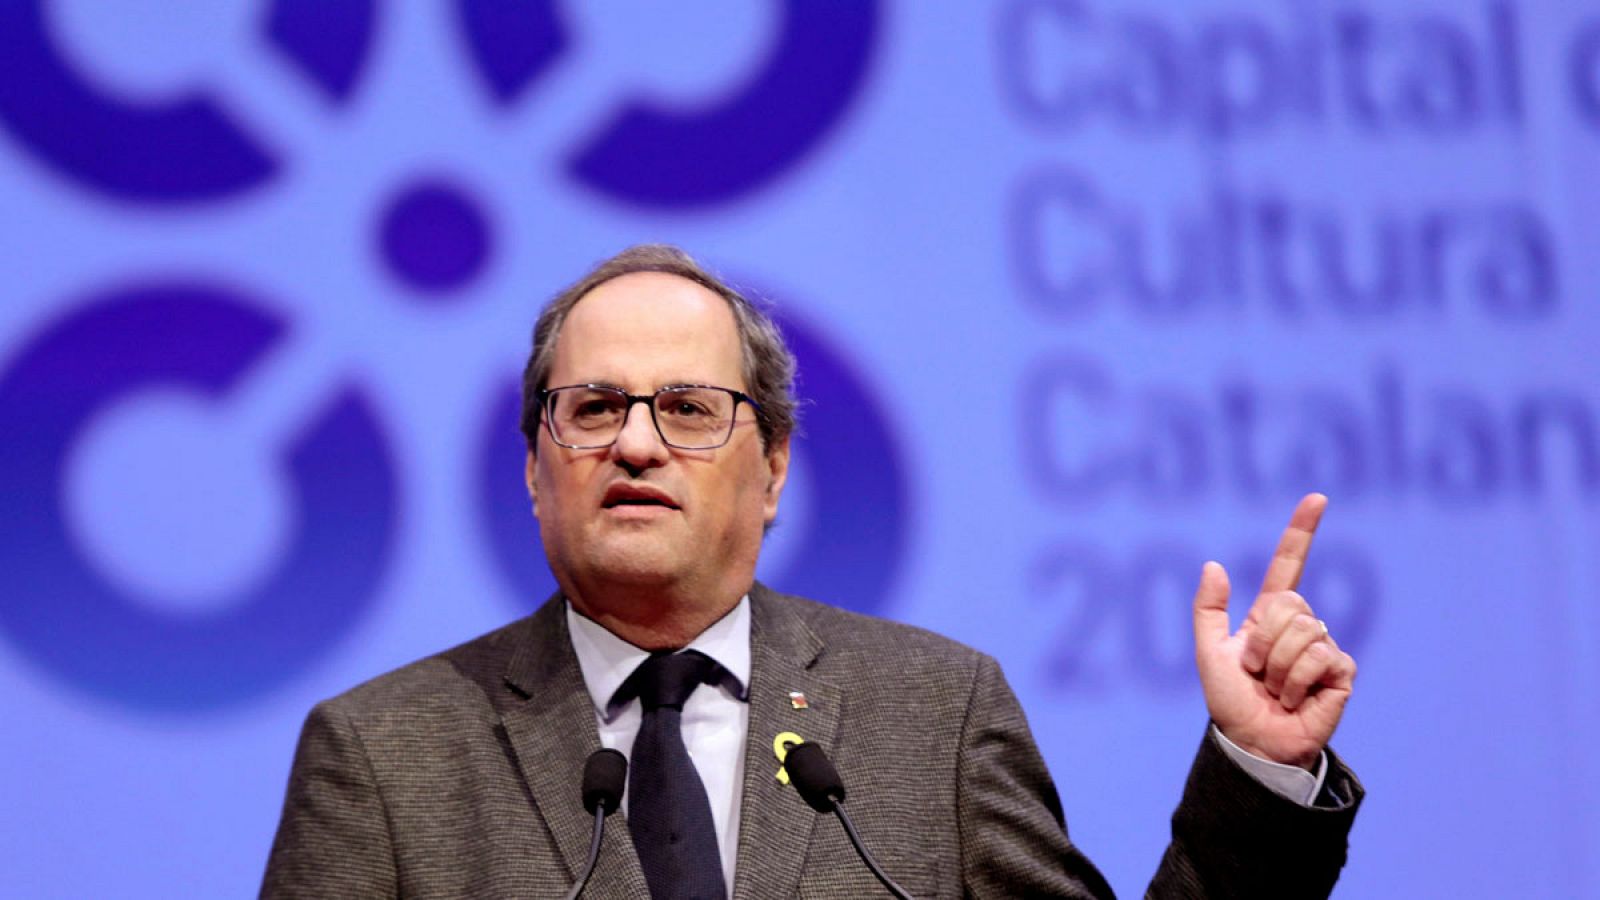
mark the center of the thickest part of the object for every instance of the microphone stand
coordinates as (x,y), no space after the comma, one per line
(861,850)
(600,812)
(605,776)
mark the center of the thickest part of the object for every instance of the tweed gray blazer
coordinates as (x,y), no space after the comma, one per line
(458,776)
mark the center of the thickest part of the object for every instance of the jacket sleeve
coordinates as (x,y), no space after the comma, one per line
(1013,836)
(1231,835)
(333,839)
(1234,837)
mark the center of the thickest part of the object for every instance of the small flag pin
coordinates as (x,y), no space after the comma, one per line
(798,700)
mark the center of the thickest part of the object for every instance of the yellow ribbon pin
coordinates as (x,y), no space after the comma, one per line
(780,749)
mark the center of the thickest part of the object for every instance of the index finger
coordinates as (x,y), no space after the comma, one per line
(1289,560)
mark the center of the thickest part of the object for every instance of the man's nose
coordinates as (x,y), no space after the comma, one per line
(639,444)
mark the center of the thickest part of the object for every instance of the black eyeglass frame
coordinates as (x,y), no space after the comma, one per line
(648,400)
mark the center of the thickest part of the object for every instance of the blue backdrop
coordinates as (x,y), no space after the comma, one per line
(1084,293)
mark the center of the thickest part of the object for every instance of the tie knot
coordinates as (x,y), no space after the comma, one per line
(667,679)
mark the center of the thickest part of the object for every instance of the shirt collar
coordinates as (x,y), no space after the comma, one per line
(607,660)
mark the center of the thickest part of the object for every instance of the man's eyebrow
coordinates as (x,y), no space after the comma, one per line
(617,386)
(592,382)
(669,383)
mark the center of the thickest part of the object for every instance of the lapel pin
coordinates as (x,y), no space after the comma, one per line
(780,749)
(798,700)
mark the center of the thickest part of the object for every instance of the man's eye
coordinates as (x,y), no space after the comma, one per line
(590,409)
(685,405)
(688,410)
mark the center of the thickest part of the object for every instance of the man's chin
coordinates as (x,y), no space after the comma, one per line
(636,560)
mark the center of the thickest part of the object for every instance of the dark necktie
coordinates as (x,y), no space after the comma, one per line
(668,813)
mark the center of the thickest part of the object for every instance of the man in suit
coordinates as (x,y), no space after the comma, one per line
(458,775)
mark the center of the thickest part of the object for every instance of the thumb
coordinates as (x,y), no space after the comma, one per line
(1211,606)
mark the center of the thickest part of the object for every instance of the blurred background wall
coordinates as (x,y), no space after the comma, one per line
(1085,293)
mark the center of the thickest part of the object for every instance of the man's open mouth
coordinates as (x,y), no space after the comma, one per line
(636,495)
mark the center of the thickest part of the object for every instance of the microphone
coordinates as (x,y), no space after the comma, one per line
(604,776)
(821,787)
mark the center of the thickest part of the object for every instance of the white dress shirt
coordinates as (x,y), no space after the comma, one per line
(715,719)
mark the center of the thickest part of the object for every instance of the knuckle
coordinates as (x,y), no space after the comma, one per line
(1284,604)
(1274,613)
(1305,624)
(1279,671)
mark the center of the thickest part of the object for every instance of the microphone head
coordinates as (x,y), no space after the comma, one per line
(814,776)
(604,777)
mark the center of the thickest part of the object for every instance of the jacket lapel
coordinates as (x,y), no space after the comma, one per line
(775,824)
(550,724)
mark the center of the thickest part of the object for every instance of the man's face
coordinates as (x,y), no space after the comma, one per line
(597,509)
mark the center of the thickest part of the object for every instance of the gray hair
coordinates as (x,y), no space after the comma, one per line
(768,364)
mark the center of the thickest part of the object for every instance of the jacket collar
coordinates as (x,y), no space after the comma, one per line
(775,825)
(550,725)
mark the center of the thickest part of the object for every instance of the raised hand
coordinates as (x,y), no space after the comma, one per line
(1278,685)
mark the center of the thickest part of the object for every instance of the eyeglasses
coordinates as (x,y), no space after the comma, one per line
(687,416)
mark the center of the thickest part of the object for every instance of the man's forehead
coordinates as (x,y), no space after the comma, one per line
(649,325)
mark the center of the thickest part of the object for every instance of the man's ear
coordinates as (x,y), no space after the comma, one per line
(531,481)
(777,476)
